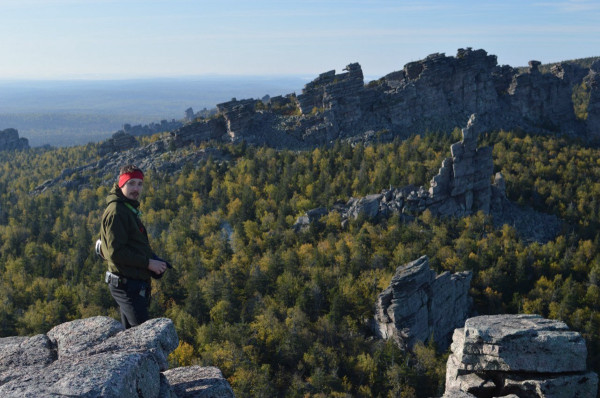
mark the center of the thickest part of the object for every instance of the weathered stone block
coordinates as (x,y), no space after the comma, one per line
(523,343)
(418,305)
(198,382)
(525,355)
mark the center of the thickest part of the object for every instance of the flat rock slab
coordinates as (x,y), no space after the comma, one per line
(81,335)
(518,356)
(519,343)
(198,382)
(156,336)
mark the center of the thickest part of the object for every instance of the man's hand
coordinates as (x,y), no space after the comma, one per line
(156,266)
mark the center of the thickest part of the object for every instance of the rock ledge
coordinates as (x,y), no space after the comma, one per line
(96,357)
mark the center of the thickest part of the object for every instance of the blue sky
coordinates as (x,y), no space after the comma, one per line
(57,39)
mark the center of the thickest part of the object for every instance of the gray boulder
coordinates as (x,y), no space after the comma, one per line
(526,355)
(418,305)
(81,335)
(367,206)
(26,351)
(198,382)
(96,357)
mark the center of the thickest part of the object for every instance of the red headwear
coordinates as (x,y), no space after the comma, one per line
(123,178)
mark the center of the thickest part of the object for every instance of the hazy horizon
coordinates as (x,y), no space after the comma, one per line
(75,112)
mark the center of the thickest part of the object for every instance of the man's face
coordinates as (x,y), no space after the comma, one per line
(133,189)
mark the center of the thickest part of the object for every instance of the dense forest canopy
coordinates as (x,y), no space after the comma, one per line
(288,314)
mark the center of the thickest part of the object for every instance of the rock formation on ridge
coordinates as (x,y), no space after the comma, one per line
(9,140)
(524,355)
(419,305)
(462,187)
(463,184)
(434,94)
(96,357)
(120,141)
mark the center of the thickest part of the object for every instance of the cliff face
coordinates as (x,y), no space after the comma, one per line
(419,305)
(434,94)
(96,357)
(592,81)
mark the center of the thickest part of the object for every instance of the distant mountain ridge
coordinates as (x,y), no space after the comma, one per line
(435,94)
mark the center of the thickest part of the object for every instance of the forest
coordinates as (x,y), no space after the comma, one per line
(284,313)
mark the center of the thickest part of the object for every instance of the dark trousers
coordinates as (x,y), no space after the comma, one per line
(133,299)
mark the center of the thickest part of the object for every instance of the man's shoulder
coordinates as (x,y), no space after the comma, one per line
(115,207)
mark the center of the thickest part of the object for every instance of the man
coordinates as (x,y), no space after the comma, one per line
(125,246)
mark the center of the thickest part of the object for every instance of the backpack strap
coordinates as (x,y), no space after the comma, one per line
(133,209)
(138,221)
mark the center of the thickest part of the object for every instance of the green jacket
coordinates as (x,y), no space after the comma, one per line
(125,243)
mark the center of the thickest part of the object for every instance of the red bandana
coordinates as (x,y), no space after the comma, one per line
(123,178)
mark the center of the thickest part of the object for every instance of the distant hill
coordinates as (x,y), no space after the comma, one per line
(64,113)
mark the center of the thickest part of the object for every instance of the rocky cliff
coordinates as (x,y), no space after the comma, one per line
(420,305)
(9,140)
(96,357)
(434,94)
(518,356)
(462,187)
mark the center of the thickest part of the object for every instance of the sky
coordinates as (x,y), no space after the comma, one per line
(108,39)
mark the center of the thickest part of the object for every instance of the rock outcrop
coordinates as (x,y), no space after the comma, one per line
(435,94)
(96,357)
(120,141)
(462,187)
(9,140)
(154,157)
(524,355)
(419,305)
(463,184)
(152,128)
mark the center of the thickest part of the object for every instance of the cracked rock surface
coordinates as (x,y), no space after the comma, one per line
(97,357)
(524,355)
